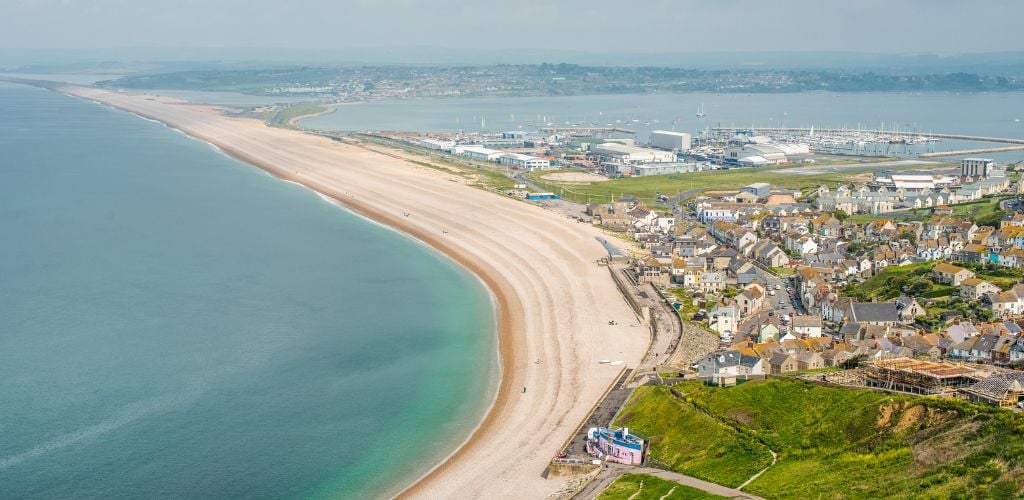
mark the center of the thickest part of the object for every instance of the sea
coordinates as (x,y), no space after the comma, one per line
(908,113)
(175,323)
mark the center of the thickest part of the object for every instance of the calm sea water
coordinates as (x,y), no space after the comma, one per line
(986,114)
(175,323)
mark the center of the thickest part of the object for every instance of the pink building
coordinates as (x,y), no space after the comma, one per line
(615,445)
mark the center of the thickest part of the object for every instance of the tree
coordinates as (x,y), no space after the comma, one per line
(909,236)
(841,215)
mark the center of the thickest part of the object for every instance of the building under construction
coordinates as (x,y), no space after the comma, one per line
(917,376)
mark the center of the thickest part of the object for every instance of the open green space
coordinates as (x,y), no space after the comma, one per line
(646,487)
(843,443)
(890,283)
(286,117)
(647,188)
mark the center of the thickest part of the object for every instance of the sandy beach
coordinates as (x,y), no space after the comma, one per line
(554,303)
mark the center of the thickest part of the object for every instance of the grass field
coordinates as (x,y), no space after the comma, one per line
(286,117)
(837,442)
(646,188)
(889,283)
(716,453)
(645,487)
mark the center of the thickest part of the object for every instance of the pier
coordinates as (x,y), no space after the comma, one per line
(584,131)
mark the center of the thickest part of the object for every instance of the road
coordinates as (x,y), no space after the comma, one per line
(612,472)
(783,302)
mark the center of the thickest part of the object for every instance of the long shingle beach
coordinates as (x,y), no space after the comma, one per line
(554,303)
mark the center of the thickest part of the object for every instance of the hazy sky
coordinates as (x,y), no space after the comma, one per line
(943,26)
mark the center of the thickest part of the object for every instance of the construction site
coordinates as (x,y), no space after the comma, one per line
(915,376)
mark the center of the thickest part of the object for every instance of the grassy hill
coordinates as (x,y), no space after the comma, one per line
(645,487)
(840,443)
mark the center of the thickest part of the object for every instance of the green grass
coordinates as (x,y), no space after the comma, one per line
(646,188)
(716,453)
(841,443)
(647,487)
(287,116)
(889,283)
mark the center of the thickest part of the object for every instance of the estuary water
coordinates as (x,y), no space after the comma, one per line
(984,114)
(176,323)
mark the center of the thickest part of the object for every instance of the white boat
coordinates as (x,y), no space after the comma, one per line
(700,111)
(605,361)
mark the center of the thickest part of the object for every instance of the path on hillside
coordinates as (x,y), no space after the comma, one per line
(613,471)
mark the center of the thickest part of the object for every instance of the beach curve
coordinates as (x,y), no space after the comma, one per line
(553,304)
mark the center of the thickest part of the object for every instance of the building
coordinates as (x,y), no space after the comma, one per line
(671,141)
(807,325)
(524,162)
(646,169)
(918,376)
(722,368)
(479,153)
(974,288)
(976,167)
(759,189)
(615,445)
(950,275)
(625,154)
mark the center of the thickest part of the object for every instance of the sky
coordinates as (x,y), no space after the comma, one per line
(618,26)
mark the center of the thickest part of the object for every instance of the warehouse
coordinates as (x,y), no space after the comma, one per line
(479,153)
(525,162)
(671,141)
(624,154)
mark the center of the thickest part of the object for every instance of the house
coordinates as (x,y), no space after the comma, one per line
(975,288)
(722,368)
(1006,304)
(950,274)
(836,357)
(809,360)
(908,309)
(711,282)
(806,325)
(750,299)
(724,321)
(872,313)
(769,254)
(782,362)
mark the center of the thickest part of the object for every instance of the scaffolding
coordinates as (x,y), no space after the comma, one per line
(915,376)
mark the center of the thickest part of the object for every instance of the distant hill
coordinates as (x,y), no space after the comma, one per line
(832,442)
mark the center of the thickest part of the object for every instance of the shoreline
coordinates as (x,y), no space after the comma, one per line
(500,302)
(512,321)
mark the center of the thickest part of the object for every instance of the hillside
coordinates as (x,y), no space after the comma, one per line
(849,443)
(646,487)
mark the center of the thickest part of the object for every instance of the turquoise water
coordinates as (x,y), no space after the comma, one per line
(175,323)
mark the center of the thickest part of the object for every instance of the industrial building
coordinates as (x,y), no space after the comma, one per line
(525,162)
(478,153)
(760,189)
(671,141)
(625,154)
(976,167)
(648,169)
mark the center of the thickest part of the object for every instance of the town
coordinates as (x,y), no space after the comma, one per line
(903,280)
